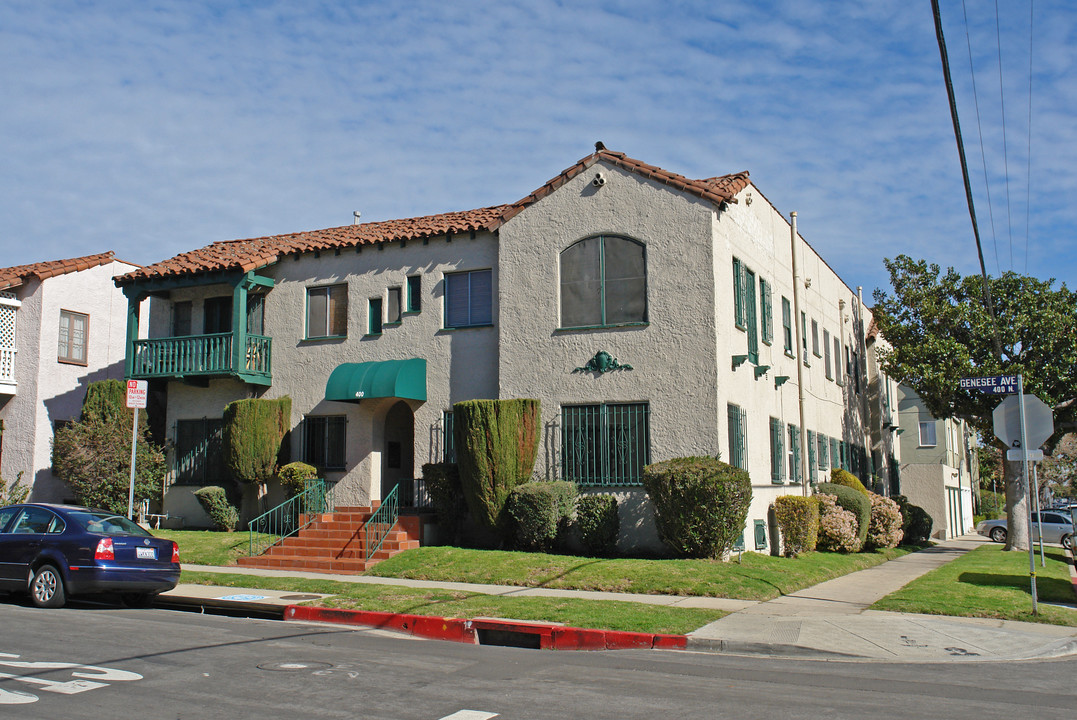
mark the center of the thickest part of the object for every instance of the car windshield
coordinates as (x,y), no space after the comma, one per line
(101,521)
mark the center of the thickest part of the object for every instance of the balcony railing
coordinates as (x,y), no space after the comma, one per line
(203,356)
(7,366)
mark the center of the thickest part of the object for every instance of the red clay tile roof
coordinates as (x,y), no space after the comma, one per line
(254,253)
(19,274)
(716,189)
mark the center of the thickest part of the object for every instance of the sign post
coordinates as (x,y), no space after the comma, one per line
(137,391)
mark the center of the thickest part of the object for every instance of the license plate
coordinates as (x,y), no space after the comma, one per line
(146,553)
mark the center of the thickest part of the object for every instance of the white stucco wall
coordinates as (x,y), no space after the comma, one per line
(49,390)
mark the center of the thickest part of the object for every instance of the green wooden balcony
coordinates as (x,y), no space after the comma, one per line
(204,356)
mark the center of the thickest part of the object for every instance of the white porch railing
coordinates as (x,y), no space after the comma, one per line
(7,366)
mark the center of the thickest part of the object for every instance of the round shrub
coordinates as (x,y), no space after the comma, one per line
(294,476)
(798,520)
(599,523)
(916,523)
(884,531)
(837,526)
(855,502)
(846,478)
(442,482)
(700,504)
(214,500)
(540,510)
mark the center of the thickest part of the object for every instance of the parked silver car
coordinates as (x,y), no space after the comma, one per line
(1056,527)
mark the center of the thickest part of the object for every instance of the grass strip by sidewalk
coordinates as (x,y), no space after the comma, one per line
(990,583)
(752,576)
(593,614)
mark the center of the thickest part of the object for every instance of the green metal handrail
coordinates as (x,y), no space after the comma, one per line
(200,355)
(290,516)
(378,526)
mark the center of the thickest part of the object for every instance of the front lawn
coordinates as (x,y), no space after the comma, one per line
(990,583)
(208,547)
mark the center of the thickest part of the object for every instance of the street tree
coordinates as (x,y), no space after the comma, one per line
(940,331)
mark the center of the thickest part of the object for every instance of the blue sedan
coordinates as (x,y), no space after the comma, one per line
(53,551)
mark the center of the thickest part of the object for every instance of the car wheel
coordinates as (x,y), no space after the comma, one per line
(1067,542)
(47,587)
(138,600)
(998,534)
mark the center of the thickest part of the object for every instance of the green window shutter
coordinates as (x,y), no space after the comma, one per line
(751,312)
(760,534)
(738,422)
(804,336)
(766,301)
(777,452)
(738,294)
(448,438)
(787,325)
(835,457)
(374,317)
(811,457)
(823,459)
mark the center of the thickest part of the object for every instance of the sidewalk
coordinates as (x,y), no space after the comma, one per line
(826,621)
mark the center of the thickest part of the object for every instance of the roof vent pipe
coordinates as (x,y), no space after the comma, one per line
(355,217)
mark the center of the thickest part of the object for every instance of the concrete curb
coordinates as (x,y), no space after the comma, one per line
(487,631)
(742,647)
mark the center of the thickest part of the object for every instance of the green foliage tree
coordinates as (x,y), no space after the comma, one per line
(496,445)
(700,504)
(940,331)
(93,455)
(1058,472)
(294,476)
(252,434)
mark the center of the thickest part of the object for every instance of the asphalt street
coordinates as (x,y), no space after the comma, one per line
(94,660)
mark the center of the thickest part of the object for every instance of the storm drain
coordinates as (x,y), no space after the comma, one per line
(510,638)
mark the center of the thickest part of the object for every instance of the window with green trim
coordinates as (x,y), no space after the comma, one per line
(815,338)
(448,439)
(468,299)
(606,444)
(745,307)
(826,355)
(824,461)
(795,473)
(777,451)
(835,453)
(415,293)
(327,311)
(812,467)
(603,282)
(374,317)
(324,441)
(787,326)
(766,305)
(804,337)
(738,436)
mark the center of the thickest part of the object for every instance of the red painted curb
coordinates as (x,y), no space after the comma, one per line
(550,637)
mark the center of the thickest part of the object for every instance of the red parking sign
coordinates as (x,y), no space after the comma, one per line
(137,390)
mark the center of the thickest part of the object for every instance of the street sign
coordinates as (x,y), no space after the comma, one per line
(1018,455)
(1039,421)
(137,391)
(997,385)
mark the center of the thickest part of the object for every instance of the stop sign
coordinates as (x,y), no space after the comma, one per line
(1039,421)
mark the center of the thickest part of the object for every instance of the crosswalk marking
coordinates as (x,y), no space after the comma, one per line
(470,715)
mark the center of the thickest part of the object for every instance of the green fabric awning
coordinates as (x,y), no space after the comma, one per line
(352,382)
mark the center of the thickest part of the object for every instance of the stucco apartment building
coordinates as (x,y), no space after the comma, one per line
(653,316)
(939,469)
(62,326)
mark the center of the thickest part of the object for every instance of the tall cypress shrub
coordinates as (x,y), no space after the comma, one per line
(496,445)
(253,430)
(106,401)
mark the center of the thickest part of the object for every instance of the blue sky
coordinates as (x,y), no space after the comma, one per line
(152,128)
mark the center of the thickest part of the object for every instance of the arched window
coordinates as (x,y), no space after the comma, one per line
(603,282)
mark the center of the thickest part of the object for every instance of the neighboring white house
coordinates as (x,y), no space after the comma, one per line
(939,470)
(62,326)
(653,315)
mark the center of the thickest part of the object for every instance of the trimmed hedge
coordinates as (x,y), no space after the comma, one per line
(599,523)
(214,500)
(846,478)
(496,444)
(798,521)
(541,510)
(253,430)
(442,482)
(916,523)
(855,502)
(294,476)
(700,504)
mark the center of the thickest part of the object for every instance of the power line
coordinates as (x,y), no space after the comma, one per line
(979,130)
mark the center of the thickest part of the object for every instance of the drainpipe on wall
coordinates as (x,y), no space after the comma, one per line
(805,480)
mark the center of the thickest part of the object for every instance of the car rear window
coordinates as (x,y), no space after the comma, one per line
(106,523)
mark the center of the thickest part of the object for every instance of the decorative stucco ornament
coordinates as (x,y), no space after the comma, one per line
(601,363)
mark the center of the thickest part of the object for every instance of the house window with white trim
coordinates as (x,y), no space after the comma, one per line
(74,334)
(927,434)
